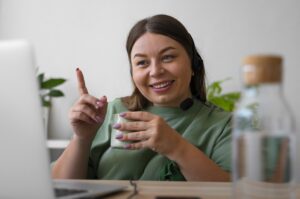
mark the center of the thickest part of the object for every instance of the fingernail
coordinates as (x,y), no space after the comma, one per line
(116,125)
(99,104)
(127,146)
(119,136)
(103,98)
(122,114)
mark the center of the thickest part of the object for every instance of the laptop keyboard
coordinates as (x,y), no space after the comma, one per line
(59,192)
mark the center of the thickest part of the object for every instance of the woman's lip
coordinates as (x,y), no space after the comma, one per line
(164,88)
(161,84)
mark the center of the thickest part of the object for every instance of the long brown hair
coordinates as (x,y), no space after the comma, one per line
(170,27)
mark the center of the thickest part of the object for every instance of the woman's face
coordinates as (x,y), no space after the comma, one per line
(161,69)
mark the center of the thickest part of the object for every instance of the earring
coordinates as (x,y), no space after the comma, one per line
(193,73)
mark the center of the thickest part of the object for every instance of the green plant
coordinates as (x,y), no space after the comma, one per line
(48,88)
(226,101)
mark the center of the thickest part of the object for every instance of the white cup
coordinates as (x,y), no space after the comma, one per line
(115,143)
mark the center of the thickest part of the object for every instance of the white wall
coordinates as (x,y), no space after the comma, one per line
(92,34)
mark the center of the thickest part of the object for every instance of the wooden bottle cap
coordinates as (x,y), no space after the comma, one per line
(259,69)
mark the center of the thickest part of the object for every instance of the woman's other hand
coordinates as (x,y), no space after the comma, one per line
(88,113)
(150,131)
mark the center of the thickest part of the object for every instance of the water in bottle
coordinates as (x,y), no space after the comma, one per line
(263,134)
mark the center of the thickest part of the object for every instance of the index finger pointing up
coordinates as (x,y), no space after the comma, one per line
(81,84)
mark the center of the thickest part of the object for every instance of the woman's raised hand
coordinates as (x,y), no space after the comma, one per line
(88,113)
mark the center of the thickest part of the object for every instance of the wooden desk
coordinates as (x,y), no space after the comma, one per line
(150,189)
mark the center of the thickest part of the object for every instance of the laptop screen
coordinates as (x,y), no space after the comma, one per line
(25,164)
(24,167)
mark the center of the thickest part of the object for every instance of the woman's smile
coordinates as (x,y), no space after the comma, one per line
(162,86)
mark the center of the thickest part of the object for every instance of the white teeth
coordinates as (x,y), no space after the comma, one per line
(162,85)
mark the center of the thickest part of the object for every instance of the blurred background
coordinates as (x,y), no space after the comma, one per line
(91,34)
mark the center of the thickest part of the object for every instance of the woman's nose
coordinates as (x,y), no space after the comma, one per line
(156,69)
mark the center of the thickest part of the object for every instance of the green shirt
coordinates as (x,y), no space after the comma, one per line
(204,125)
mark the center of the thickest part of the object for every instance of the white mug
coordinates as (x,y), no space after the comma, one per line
(115,143)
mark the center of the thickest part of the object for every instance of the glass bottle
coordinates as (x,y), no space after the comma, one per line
(263,134)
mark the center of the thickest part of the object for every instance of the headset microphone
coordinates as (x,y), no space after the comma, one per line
(186,104)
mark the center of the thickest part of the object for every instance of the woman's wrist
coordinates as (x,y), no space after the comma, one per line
(178,150)
(82,142)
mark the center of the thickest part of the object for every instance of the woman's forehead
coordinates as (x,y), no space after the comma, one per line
(153,43)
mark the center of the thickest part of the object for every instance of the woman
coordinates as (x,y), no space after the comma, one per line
(177,135)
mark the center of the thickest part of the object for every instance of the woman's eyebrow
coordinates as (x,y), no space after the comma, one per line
(166,49)
(139,55)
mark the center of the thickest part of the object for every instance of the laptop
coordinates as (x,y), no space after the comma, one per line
(24,157)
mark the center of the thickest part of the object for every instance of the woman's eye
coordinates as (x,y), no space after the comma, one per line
(168,58)
(141,63)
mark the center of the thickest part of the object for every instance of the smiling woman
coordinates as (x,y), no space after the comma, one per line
(162,140)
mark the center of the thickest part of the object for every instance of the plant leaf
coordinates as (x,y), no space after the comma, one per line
(225,101)
(215,88)
(41,79)
(232,96)
(55,93)
(51,83)
(46,103)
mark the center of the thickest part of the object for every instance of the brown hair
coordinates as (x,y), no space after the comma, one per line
(171,27)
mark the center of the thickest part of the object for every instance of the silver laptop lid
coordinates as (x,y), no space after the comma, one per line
(24,157)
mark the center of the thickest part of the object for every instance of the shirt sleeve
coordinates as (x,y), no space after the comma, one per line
(222,149)
(100,144)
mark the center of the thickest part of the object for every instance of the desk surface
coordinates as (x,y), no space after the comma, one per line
(151,189)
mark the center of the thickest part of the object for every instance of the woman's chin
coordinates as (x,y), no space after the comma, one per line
(164,100)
